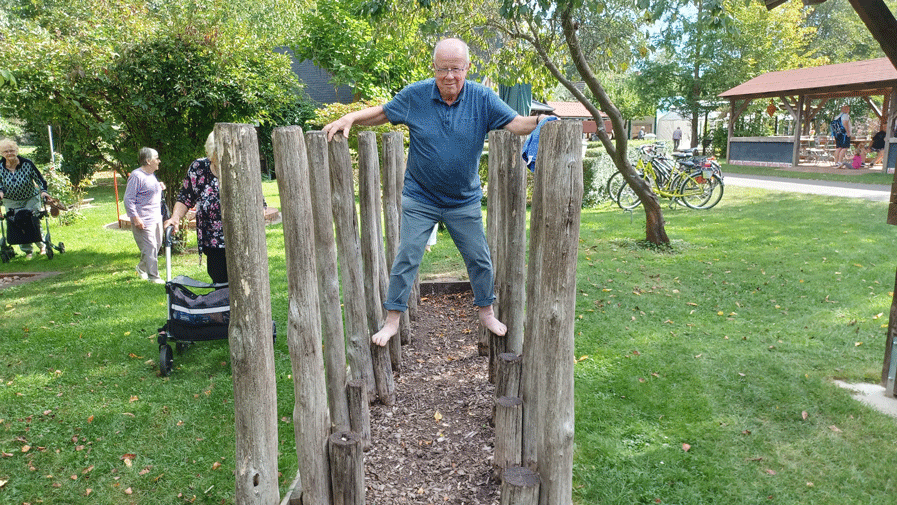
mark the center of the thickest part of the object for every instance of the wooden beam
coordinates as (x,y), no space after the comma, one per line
(873,106)
(881,23)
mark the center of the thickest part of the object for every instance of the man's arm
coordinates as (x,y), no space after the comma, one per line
(372,116)
(524,125)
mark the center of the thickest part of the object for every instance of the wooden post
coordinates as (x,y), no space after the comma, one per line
(346,222)
(510,275)
(519,486)
(311,418)
(347,470)
(328,280)
(394,168)
(371,252)
(499,162)
(550,319)
(359,411)
(250,334)
(508,433)
(508,376)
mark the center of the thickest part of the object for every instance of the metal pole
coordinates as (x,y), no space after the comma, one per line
(52,154)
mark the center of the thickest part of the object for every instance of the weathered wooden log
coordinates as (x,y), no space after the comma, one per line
(548,359)
(347,468)
(519,486)
(328,280)
(508,433)
(498,167)
(508,376)
(512,285)
(371,252)
(359,411)
(344,216)
(311,417)
(393,170)
(250,334)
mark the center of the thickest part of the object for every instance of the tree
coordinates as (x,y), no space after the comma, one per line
(709,46)
(377,47)
(168,93)
(545,36)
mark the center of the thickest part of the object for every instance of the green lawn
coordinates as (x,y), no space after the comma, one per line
(722,343)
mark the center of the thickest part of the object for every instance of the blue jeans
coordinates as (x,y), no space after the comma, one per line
(465,225)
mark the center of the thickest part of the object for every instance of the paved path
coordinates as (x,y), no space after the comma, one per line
(872,192)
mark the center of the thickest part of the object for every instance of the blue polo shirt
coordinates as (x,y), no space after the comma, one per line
(446,140)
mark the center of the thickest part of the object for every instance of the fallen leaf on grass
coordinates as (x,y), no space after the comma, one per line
(216,465)
(770,472)
(133,399)
(834,428)
(686,447)
(129,491)
(90,419)
(3,482)
(804,415)
(88,491)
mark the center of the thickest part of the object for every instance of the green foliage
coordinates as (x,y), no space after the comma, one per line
(60,187)
(169,92)
(334,111)
(375,47)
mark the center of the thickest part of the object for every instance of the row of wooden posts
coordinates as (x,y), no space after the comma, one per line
(532,366)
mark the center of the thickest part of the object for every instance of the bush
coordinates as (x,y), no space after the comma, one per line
(59,186)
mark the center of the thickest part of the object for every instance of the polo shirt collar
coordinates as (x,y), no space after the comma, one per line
(438,97)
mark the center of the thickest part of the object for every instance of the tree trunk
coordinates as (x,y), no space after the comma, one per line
(250,333)
(311,419)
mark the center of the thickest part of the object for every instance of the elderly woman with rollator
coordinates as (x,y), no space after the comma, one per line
(21,185)
(448,118)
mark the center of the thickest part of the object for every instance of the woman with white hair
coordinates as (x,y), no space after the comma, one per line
(201,189)
(21,185)
(143,204)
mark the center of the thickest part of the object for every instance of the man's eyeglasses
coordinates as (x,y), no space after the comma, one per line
(442,72)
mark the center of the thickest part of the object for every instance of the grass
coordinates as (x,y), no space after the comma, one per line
(721,342)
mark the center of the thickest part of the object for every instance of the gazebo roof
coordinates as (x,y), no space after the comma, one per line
(869,77)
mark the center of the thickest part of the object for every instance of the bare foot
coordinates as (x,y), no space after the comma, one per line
(389,329)
(487,319)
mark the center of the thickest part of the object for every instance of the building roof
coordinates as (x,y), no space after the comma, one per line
(869,77)
(572,110)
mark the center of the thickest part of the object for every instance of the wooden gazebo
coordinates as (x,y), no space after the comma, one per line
(803,92)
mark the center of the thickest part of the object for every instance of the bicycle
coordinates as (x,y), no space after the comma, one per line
(696,182)
(645,156)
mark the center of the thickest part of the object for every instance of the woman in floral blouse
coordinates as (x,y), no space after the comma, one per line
(200,188)
(21,184)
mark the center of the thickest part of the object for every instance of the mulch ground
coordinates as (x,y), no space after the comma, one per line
(435,445)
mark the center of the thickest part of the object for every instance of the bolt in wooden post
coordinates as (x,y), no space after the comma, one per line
(250,335)
(311,418)
(347,469)
(328,279)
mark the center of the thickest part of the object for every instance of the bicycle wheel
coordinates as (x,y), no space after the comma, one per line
(613,185)
(627,199)
(699,192)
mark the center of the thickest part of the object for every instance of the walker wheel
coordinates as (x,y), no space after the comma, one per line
(61,247)
(4,257)
(165,360)
(49,250)
(181,347)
